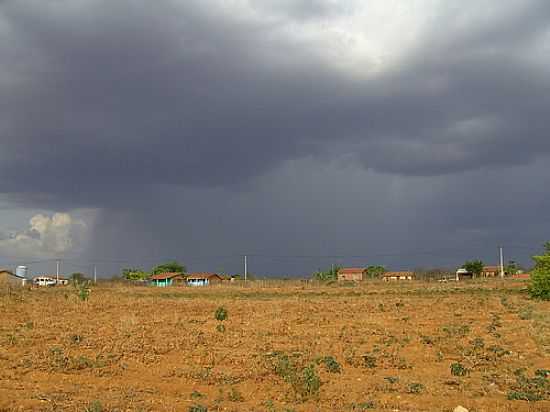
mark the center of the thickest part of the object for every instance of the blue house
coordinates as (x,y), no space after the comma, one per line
(167,279)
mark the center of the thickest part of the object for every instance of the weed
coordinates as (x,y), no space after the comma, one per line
(221,314)
(82,289)
(478,343)
(457,369)
(392,379)
(526,313)
(532,389)
(198,408)
(415,387)
(76,339)
(310,382)
(94,406)
(197,395)
(363,406)
(427,340)
(220,328)
(456,330)
(545,373)
(235,395)
(369,361)
(331,364)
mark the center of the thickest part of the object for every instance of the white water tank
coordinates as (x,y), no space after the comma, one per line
(21,271)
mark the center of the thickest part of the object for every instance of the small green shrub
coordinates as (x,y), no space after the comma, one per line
(310,382)
(369,361)
(82,289)
(94,406)
(198,408)
(457,369)
(363,406)
(196,395)
(220,328)
(221,314)
(331,364)
(235,395)
(392,379)
(415,388)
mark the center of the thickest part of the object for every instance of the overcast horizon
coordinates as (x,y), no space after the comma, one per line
(303,133)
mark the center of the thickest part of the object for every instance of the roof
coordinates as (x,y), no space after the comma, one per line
(203,275)
(349,271)
(491,268)
(9,272)
(166,275)
(521,276)
(401,273)
(51,277)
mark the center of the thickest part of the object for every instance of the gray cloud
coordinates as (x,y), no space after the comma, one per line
(104,104)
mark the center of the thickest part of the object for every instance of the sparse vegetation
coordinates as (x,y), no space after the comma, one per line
(540,277)
(316,345)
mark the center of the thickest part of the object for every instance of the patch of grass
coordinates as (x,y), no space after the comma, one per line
(197,395)
(331,364)
(456,330)
(392,379)
(221,314)
(415,388)
(532,389)
(94,406)
(457,369)
(369,361)
(363,406)
(220,328)
(235,395)
(198,408)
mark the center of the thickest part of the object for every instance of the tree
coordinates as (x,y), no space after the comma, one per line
(374,272)
(539,287)
(169,267)
(330,274)
(134,274)
(512,268)
(474,266)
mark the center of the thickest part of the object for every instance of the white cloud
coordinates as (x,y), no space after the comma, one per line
(45,236)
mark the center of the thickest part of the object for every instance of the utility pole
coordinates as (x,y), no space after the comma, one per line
(501,262)
(57,272)
(95,274)
(245,268)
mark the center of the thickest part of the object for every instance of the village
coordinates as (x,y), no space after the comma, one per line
(21,278)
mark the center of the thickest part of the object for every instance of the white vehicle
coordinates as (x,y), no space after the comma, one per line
(44,281)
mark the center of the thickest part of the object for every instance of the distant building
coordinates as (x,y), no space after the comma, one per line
(50,280)
(203,279)
(462,274)
(490,271)
(351,274)
(11,279)
(521,276)
(393,276)
(167,279)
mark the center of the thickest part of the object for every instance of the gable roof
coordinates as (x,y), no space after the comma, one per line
(491,268)
(203,275)
(164,276)
(349,271)
(9,272)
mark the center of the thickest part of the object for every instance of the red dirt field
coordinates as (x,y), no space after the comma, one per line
(382,347)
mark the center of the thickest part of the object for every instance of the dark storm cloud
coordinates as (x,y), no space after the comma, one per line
(98,96)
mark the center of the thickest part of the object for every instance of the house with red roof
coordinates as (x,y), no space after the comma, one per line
(351,274)
(167,279)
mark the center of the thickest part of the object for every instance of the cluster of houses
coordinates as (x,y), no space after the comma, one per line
(357,274)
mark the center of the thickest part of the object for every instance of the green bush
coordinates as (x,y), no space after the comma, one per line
(457,369)
(539,287)
(198,408)
(331,364)
(221,314)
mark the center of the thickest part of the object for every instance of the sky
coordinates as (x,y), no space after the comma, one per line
(302,133)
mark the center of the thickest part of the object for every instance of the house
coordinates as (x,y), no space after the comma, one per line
(403,275)
(490,271)
(50,280)
(203,279)
(9,278)
(463,274)
(167,279)
(521,276)
(351,274)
